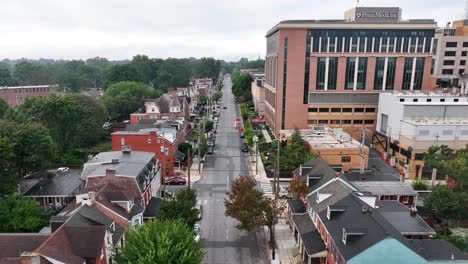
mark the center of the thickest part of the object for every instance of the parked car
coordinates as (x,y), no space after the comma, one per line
(176,181)
(224,107)
(199,211)
(245,148)
(63,169)
(197,230)
(242,135)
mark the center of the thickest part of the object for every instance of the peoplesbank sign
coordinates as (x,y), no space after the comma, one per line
(377,14)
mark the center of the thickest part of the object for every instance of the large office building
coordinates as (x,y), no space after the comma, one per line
(450,54)
(329,72)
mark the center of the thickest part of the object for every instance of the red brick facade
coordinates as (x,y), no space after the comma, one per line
(15,96)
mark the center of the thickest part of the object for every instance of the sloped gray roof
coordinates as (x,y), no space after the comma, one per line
(337,189)
(297,206)
(385,187)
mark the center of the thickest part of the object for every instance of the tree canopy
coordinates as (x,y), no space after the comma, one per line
(242,85)
(20,215)
(123,98)
(74,120)
(449,162)
(447,204)
(248,205)
(160,242)
(181,208)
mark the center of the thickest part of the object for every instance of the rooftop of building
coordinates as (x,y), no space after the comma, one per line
(47,184)
(322,137)
(124,163)
(25,87)
(361,18)
(401,217)
(385,187)
(448,94)
(13,244)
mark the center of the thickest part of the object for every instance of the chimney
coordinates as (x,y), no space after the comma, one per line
(110,173)
(300,170)
(413,211)
(29,258)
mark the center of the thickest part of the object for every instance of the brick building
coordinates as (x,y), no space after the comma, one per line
(329,72)
(156,138)
(16,95)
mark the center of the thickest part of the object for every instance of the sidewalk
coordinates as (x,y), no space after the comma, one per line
(194,175)
(286,250)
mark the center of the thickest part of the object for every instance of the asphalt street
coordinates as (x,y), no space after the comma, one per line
(224,243)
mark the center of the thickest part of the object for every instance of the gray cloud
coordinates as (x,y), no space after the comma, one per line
(119,29)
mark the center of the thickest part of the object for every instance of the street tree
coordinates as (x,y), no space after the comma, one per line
(160,242)
(180,208)
(297,188)
(8,178)
(20,215)
(123,98)
(248,205)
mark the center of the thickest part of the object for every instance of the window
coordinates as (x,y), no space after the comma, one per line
(415,99)
(346,122)
(452,44)
(345,158)
(122,141)
(149,141)
(335,122)
(332,73)
(384,123)
(402,99)
(442,99)
(313,110)
(321,68)
(350,67)
(465,44)
(323,122)
(369,122)
(358,110)
(347,110)
(428,100)
(357,122)
(362,74)
(418,73)
(456,100)
(449,62)
(419,156)
(324,110)
(447,71)
(311,122)
(423,132)
(450,53)
(370,110)
(461,71)
(407,72)
(336,110)
(464,53)
(379,73)
(462,62)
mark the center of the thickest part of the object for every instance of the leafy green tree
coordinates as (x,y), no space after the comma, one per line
(5,78)
(146,67)
(297,188)
(74,120)
(208,67)
(8,178)
(248,205)
(160,242)
(121,73)
(20,215)
(98,62)
(32,145)
(242,85)
(181,208)
(27,73)
(447,204)
(184,148)
(202,100)
(3,107)
(217,96)
(123,98)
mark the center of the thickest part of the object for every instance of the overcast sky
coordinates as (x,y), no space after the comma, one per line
(119,29)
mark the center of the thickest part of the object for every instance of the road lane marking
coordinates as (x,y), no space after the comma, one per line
(227,234)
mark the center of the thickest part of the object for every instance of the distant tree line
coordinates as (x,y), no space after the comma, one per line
(243,63)
(79,75)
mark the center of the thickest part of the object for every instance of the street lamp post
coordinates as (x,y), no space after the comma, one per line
(255,139)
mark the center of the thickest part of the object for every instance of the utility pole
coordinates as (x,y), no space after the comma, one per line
(163,173)
(189,166)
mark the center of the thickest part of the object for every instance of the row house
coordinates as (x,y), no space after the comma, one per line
(339,225)
(84,225)
(161,140)
(382,185)
(136,171)
(167,105)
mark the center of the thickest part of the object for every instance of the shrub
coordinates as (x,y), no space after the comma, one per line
(420,185)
